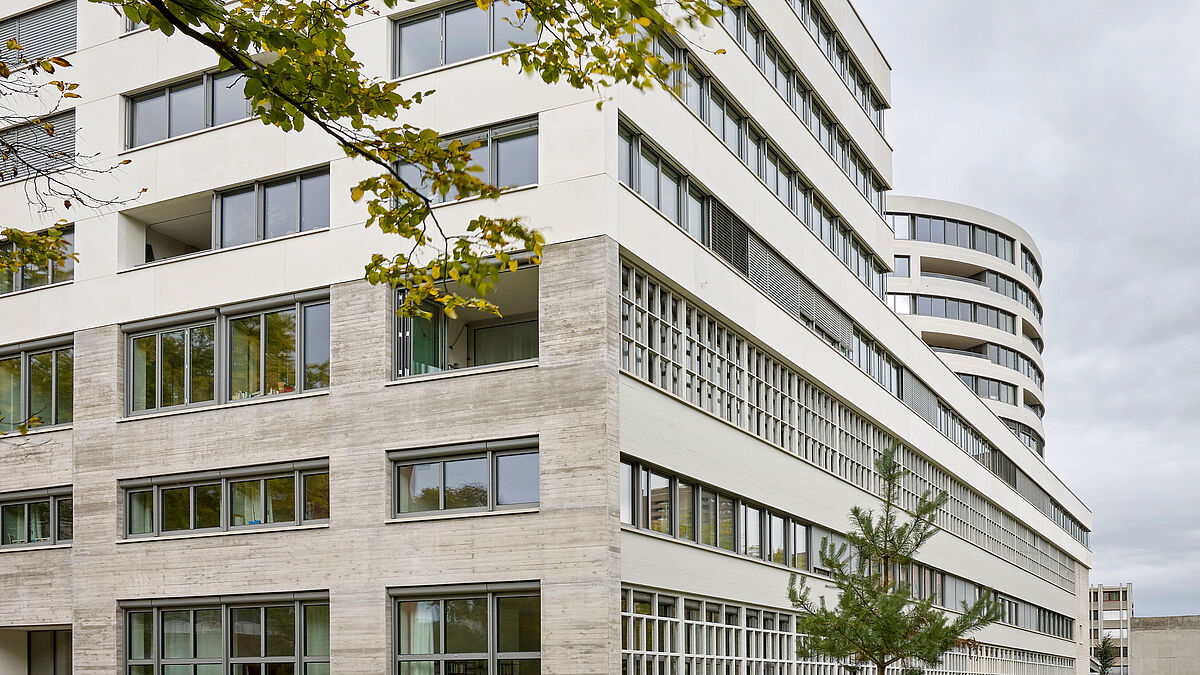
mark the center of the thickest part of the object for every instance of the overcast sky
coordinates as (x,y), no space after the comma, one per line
(1080,121)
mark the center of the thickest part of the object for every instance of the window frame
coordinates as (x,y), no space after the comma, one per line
(156,485)
(493,592)
(299,387)
(131,338)
(53,497)
(52,346)
(259,188)
(491,451)
(206,80)
(398,23)
(299,602)
(17,280)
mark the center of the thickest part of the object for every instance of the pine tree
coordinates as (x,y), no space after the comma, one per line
(1106,654)
(877,619)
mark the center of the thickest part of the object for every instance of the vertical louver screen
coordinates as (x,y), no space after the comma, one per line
(918,397)
(730,237)
(31,149)
(42,33)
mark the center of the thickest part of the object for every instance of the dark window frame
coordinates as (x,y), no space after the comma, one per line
(54,498)
(490,451)
(259,188)
(53,347)
(207,79)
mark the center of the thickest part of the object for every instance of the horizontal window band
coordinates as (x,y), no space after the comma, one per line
(202,315)
(217,474)
(27,495)
(464,589)
(530,442)
(275,302)
(38,345)
(245,599)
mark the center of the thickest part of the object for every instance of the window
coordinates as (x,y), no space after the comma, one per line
(33,276)
(269,351)
(210,100)
(173,367)
(473,338)
(284,636)
(660,183)
(495,628)
(507,154)
(36,386)
(459,33)
(42,33)
(36,518)
(902,269)
(293,493)
(275,208)
(49,652)
(30,149)
(277,351)
(489,476)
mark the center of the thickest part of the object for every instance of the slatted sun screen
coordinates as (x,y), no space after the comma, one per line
(29,149)
(42,33)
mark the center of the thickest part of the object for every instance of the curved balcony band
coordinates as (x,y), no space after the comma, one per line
(968,282)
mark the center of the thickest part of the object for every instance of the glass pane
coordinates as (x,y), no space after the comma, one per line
(281,631)
(686,509)
(725,516)
(466,34)
(187,109)
(752,532)
(177,670)
(281,500)
(41,387)
(66,520)
(208,634)
(315,669)
(316,346)
(246,631)
(420,487)
(517,478)
(12,524)
(776,552)
(143,384)
(280,356)
(314,202)
(660,503)
(316,630)
(466,626)
(141,517)
(517,160)
(506,343)
(427,347)
(422,667)
(177,634)
(10,394)
(648,176)
(238,222)
(176,509)
(281,668)
(62,652)
(203,368)
(626,493)
(421,45)
(708,518)
(245,668)
(316,496)
(208,506)
(229,98)
(210,669)
(39,522)
(141,635)
(281,209)
(466,483)
(507,28)
(421,627)
(520,624)
(149,119)
(245,503)
(244,354)
(174,372)
(669,194)
(521,667)
(64,390)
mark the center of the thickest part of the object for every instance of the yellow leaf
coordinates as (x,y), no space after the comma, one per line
(512,265)
(356,194)
(642,21)
(720,51)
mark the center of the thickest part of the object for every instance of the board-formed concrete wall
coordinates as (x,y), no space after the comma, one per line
(1164,645)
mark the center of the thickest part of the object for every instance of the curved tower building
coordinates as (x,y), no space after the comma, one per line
(967,283)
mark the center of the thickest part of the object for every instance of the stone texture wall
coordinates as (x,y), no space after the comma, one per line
(1164,645)
(570,545)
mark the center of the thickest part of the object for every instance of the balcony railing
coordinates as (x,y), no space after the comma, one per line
(953,277)
(961,352)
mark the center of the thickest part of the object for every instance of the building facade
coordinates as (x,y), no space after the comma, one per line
(1112,615)
(968,283)
(1164,645)
(246,463)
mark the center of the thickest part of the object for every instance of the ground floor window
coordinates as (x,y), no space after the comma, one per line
(468,630)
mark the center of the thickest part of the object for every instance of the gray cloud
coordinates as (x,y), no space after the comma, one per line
(1079,121)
